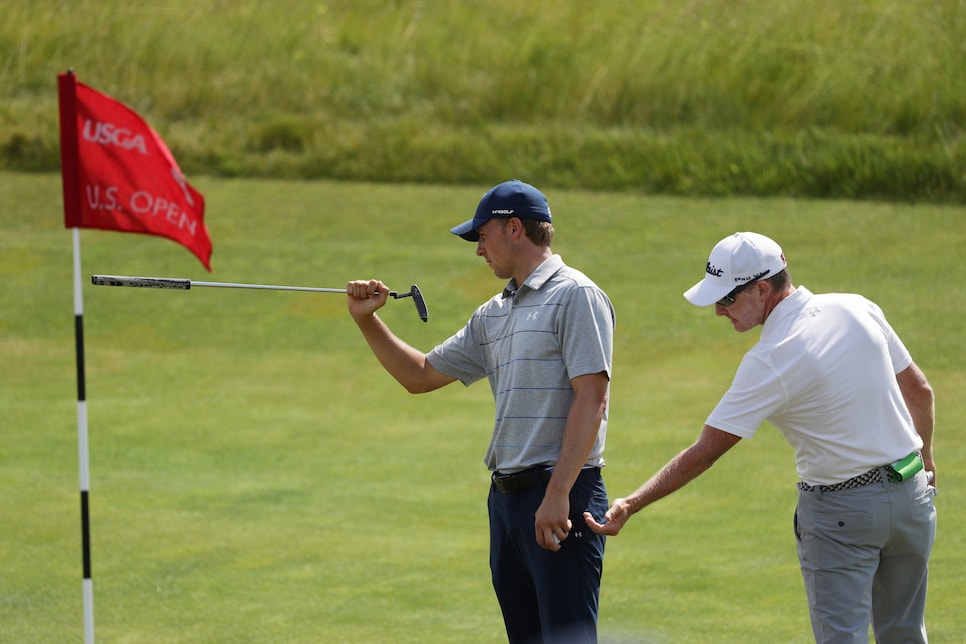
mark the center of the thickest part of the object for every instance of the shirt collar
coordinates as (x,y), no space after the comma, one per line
(540,275)
(790,306)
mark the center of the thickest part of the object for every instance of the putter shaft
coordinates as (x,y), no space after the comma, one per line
(182,284)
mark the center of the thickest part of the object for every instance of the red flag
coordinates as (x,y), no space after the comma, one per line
(119,175)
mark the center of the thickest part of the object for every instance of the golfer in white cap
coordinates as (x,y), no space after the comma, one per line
(831,374)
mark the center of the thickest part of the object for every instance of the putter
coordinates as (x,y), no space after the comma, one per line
(181,284)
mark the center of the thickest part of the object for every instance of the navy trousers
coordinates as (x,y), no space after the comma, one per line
(547,596)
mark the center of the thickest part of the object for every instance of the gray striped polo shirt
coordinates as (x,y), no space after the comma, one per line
(530,342)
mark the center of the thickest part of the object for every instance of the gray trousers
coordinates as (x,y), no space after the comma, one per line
(864,554)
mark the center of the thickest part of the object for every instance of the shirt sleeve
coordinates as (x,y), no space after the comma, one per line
(459,356)
(898,353)
(587,334)
(756,393)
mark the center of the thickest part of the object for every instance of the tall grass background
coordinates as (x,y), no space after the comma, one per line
(800,98)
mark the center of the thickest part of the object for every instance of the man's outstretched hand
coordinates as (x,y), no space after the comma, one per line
(614,519)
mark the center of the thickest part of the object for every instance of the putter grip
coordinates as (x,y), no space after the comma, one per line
(141,282)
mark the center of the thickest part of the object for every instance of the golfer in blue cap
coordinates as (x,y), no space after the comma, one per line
(545,344)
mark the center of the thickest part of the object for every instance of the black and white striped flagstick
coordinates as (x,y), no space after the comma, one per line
(82,445)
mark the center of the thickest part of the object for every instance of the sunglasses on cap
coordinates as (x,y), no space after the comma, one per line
(729,299)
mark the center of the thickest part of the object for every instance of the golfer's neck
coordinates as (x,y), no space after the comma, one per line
(530,262)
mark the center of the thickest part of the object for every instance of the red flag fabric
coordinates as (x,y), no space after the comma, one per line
(118,174)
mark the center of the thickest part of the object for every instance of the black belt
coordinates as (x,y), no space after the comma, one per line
(512,483)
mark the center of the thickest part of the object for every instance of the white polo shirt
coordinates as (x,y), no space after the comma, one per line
(823,373)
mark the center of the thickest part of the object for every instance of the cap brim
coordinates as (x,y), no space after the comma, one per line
(467,230)
(706,293)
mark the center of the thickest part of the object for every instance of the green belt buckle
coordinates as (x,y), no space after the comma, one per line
(905,468)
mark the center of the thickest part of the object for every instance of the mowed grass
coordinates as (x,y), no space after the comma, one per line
(257,477)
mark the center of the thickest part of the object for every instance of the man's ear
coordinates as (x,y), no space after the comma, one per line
(516,227)
(764,287)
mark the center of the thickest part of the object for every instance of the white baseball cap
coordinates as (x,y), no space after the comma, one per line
(736,260)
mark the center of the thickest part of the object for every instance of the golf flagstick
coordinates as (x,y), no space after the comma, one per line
(186,284)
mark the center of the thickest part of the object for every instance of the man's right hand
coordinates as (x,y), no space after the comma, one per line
(365,297)
(613,520)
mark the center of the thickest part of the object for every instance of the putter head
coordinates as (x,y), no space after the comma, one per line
(418,300)
(420,303)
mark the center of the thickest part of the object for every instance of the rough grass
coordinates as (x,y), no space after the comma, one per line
(820,99)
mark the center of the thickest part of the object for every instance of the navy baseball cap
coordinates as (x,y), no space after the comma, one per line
(508,199)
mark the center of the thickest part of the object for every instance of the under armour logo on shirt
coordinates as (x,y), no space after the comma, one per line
(532,315)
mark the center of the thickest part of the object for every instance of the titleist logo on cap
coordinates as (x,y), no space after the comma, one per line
(713,270)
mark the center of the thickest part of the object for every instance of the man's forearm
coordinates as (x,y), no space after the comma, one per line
(580,433)
(683,468)
(403,362)
(920,401)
